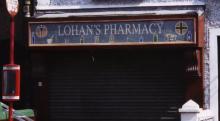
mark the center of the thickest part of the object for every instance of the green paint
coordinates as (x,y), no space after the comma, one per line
(2,113)
(155,38)
(24,112)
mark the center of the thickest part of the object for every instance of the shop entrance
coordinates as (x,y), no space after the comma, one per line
(116,85)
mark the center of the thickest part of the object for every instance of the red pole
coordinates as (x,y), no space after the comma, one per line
(10,111)
(12,35)
(12,7)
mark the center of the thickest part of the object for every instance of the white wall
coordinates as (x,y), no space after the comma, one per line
(213,54)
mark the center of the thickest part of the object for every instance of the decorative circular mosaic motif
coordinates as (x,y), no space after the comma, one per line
(181,28)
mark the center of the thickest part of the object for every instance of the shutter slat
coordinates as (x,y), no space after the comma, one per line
(117,86)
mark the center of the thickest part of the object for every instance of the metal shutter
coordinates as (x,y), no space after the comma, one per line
(116,85)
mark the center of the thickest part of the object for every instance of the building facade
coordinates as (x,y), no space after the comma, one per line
(120,59)
(116,60)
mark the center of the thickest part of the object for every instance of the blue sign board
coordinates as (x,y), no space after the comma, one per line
(111,32)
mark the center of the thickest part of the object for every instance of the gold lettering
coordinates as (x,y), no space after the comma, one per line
(159,25)
(98,29)
(128,29)
(89,30)
(75,30)
(155,28)
(136,29)
(82,31)
(144,29)
(59,31)
(107,27)
(113,29)
(67,30)
(121,30)
(151,26)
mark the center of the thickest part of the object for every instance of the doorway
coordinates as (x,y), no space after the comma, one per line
(115,85)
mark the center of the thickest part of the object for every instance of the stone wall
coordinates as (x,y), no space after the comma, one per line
(212,21)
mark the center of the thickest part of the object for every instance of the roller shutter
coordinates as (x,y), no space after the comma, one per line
(116,85)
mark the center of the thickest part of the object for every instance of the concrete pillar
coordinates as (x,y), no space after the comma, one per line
(189,111)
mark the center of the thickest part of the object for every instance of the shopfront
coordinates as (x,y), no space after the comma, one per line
(124,64)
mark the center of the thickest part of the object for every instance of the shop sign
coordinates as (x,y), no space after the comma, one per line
(112,32)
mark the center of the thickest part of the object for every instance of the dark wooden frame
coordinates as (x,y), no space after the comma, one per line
(200,54)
